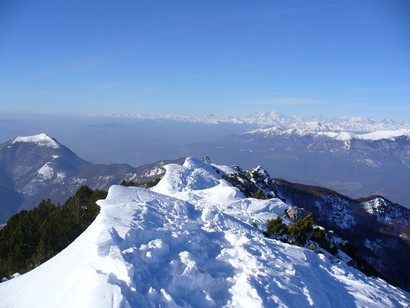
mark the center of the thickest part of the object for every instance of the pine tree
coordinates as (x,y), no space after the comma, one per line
(301,229)
(276,227)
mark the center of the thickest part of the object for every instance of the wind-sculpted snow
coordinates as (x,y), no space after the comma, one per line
(190,242)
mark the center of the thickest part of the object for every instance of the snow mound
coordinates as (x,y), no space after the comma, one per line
(42,140)
(189,242)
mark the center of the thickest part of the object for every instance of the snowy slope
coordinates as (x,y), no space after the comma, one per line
(190,242)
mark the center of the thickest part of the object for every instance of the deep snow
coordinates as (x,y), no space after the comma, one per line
(190,242)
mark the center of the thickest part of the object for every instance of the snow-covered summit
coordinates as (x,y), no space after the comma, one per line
(190,242)
(384,210)
(42,140)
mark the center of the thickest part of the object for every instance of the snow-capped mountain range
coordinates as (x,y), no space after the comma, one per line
(38,167)
(192,241)
(302,130)
(273,118)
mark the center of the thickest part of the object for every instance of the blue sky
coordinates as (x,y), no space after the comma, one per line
(228,57)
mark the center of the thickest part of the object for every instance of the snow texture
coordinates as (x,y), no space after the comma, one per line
(190,242)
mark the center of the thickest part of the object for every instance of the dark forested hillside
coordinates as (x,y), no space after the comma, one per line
(32,237)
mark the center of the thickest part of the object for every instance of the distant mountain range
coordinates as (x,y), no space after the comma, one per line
(273,118)
(39,167)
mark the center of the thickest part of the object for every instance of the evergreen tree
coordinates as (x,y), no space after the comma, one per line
(260,195)
(276,227)
(301,229)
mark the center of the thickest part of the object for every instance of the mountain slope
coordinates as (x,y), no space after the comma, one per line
(190,242)
(38,167)
(378,228)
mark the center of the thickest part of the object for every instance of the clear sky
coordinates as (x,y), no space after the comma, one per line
(229,57)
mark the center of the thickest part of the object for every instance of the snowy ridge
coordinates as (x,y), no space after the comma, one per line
(340,135)
(189,242)
(387,134)
(41,140)
(373,136)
